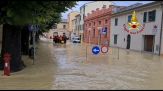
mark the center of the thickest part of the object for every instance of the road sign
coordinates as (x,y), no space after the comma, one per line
(95,50)
(104,30)
(33,27)
(104,49)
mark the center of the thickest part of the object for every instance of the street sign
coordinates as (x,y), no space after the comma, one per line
(33,27)
(104,49)
(95,50)
(104,31)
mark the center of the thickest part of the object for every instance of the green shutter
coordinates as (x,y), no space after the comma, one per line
(145,17)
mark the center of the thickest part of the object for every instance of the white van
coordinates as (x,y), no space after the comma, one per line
(76,39)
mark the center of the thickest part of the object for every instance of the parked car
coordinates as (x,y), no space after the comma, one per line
(76,39)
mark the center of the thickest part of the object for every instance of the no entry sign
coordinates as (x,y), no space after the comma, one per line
(104,49)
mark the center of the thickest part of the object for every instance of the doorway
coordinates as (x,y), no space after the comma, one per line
(148,43)
(128,41)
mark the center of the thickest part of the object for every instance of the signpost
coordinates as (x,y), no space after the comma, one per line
(95,50)
(33,29)
(104,31)
(104,49)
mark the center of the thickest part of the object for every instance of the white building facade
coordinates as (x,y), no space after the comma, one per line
(149,39)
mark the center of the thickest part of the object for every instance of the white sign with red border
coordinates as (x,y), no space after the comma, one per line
(104,49)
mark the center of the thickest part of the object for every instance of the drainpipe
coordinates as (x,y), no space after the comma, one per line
(161,28)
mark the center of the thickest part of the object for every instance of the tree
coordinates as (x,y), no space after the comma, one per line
(17,14)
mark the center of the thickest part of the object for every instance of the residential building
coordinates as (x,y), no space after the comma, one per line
(88,7)
(60,28)
(77,25)
(73,33)
(97,26)
(71,17)
(148,38)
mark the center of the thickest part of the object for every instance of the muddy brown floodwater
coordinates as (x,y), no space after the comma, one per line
(66,67)
(133,70)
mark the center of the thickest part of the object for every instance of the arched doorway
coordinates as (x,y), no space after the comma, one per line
(128,41)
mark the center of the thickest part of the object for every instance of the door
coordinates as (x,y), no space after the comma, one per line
(128,41)
(148,43)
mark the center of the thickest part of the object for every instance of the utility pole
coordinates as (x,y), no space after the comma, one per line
(161,29)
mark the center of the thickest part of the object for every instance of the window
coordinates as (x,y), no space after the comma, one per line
(94,23)
(115,39)
(145,17)
(129,18)
(116,21)
(106,21)
(79,27)
(93,33)
(151,15)
(99,22)
(64,26)
(106,29)
(89,24)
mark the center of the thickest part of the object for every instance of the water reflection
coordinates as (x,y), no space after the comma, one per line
(133,70)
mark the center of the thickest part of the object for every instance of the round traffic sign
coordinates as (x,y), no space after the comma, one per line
(104,49)
(95,50)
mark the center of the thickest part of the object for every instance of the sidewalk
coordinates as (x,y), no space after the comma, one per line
(37,76)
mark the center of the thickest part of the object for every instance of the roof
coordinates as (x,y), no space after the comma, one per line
(64,20)
(86,4)
(137,8)
(73,12)
(78,15)
(91,2)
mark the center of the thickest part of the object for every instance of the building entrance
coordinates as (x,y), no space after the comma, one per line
(149,43)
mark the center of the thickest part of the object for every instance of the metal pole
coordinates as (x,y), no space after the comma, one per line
(86,52)
(118,53)
(161,29)
(99,38)
(33,46)
(89,39)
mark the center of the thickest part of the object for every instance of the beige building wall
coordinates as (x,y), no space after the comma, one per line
(71,16)
(61,28)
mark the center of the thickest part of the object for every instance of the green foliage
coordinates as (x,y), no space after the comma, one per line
(44,13)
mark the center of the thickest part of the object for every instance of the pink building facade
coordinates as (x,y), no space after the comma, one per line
(94,23)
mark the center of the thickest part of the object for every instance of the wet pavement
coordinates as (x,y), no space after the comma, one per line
(66,66)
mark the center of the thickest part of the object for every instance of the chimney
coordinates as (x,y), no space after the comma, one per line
(104,6)
(111,6)
(97,9)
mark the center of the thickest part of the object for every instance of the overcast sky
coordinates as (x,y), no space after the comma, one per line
(122,3)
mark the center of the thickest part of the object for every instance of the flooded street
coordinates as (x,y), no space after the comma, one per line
(66,67)
(133,70)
